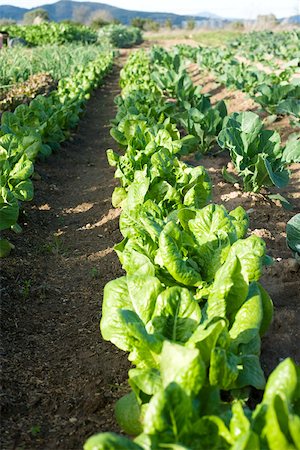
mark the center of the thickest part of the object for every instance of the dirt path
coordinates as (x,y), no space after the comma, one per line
(60,380)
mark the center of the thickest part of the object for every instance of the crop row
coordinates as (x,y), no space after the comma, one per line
(17,64)
(276,92)
(52,33)
(268,46)
(34,131)
(190,311)
(46,33)
(259,158)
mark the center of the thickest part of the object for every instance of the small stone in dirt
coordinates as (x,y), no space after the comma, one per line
(73,420)
(292,265)
(263,233)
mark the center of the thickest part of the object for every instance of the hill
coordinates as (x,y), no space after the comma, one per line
(67,9)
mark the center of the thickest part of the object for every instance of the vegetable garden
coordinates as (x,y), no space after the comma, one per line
(192,308)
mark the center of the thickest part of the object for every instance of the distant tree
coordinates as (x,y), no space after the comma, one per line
(190,25)
(100,18)
(151,25)
(169,24)
(81,14)
(138,22)
(238,25)
(36,16)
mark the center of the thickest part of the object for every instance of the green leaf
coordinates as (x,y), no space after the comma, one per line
(135,293)
(293,233)
(169,414)
(176,314)
(251,253)
(291,153)
(118,136)
(206,338)
(183,366)
(24,190)
(229,176)
(181,270)
(112,158)
(118,197)
(267,306)
(9,209)
(223,369)
(147,380)
(283,381)
(279,179)
(248,318)
(5,248)
(23,169)
(229,290)
(128,411)
(284,202)
(240,222)
(250,373)
(110,441)
(239,423)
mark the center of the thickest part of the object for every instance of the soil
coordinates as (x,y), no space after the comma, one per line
(60,379)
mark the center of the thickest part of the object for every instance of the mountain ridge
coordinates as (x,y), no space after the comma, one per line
(64,10)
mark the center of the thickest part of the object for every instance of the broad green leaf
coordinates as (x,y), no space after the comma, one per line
(183,366)
(293,233)
(110,441)
(169,414)
(250,373)
(248,318)
(118,197)
(9,209)
(251,253)
(229,290)
(23,169)
(170,250)
(239,423)
(24,190)
(127,411)
(5,248)
(147,380)
(240,221)
(223,370)
(176,314)
(206,338)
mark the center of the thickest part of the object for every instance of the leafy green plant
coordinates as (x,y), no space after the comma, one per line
(120,36)
(52,33)
(35,130)
(293,235)
(175,419)
(256,153)
(190,311)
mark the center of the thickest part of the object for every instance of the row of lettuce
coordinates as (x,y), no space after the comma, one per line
(276,91)
(47,33)
(35,131)
(259,158)
(269,46)
(190,310)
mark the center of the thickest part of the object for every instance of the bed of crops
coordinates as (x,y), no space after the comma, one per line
(192,308)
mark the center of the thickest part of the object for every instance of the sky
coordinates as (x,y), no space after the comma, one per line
(247,9)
